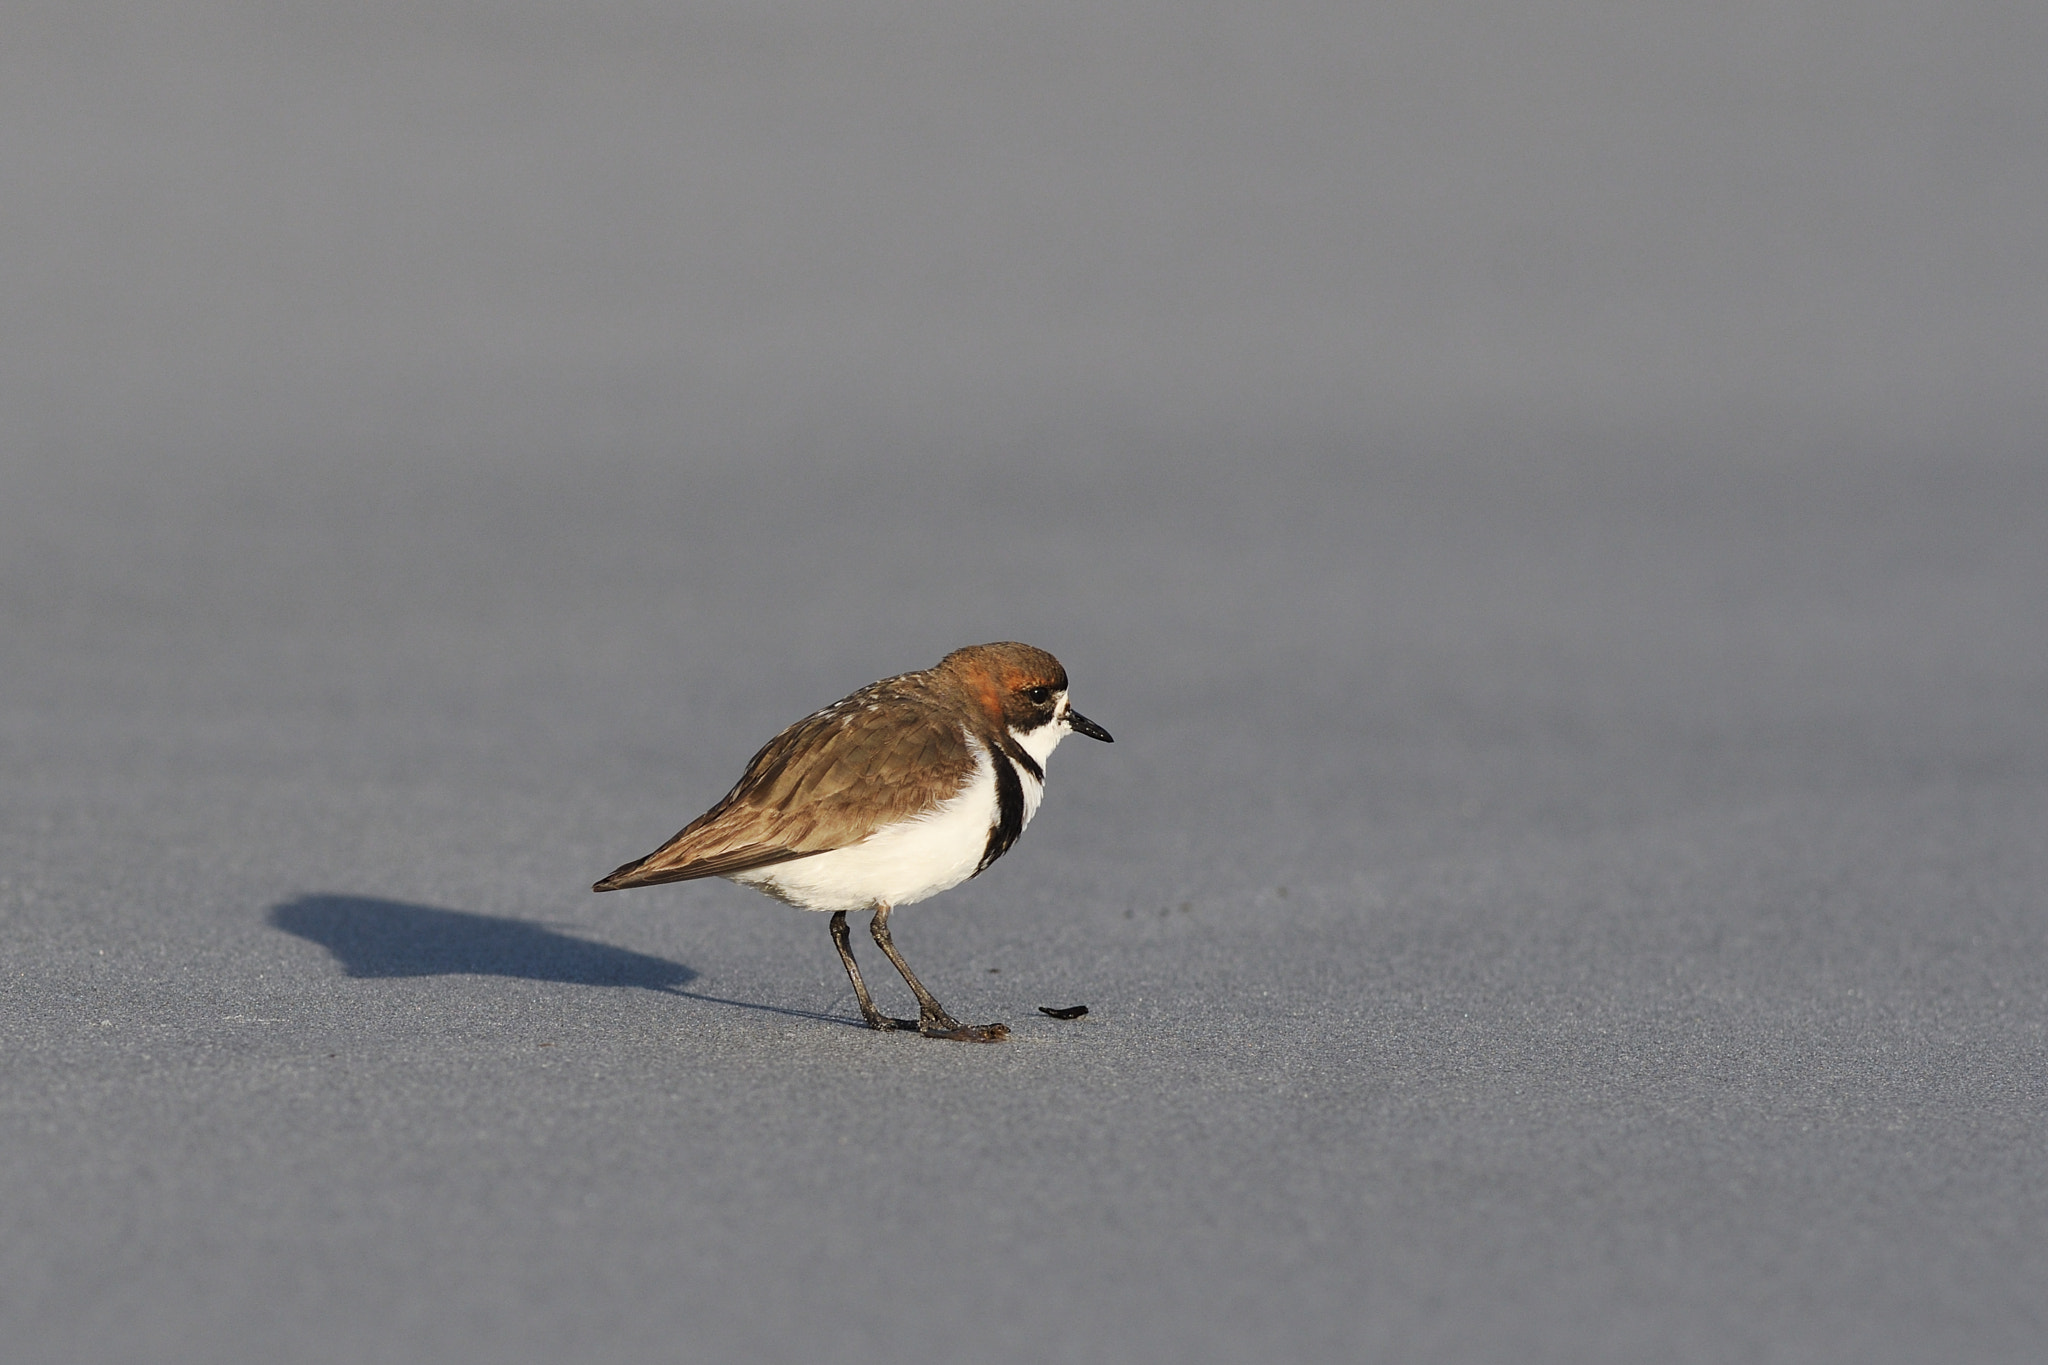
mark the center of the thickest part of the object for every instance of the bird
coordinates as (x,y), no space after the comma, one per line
(887,797)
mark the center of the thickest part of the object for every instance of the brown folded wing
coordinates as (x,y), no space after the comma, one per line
(828,781)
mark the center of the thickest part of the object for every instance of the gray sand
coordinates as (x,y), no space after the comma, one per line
(1554,510)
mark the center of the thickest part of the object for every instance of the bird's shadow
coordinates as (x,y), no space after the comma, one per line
(380,938)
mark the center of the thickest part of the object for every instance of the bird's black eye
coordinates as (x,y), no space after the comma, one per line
(1039,695)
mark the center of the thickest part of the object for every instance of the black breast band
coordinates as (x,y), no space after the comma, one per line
(1009,821)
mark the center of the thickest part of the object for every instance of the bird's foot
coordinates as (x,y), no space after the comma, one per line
(945,1026)
(882,1023)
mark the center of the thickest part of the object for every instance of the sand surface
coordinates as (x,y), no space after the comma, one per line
(1554,512)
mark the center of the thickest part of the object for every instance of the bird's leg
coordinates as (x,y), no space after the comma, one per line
(876,1019)
(931,1014)
(932,1019)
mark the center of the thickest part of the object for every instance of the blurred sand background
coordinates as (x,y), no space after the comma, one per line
(1552,500)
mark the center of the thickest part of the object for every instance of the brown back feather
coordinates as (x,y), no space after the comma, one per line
(892,754)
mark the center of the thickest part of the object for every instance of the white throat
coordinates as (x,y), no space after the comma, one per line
(1041,742)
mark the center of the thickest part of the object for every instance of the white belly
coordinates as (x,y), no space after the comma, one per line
(902,864)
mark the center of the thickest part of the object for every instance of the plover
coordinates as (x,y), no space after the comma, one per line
(894,794)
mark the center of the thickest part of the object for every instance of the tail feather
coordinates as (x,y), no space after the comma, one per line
(618,880)
(656,868)
(638,873)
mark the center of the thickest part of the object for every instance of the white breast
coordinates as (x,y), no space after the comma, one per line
(1039,744)
(1034,790)
(899,864)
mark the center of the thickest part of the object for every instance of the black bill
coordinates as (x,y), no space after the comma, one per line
(1084,726)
